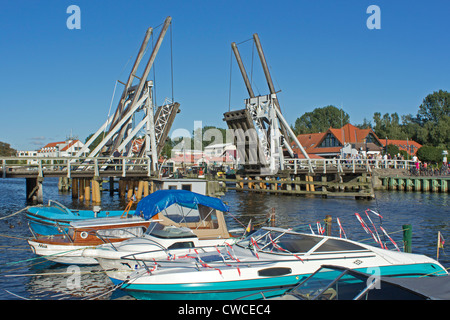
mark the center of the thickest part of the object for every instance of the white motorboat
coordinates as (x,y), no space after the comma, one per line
(186,221)
(270,259)
(67,247)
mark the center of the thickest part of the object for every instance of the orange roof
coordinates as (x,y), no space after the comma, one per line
(350,134)
(347,134)
(405,145)
(69,145)
(52,144)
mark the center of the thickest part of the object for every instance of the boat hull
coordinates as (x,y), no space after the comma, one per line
(246,289)
(47,221)
(65,254)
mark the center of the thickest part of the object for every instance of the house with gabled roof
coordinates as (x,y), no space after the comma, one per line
(333,142)
(66,148)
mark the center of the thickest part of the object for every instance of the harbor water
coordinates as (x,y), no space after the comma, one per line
(23,275)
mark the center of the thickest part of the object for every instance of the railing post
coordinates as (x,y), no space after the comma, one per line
(123,167)
(68,168)
(40,172)
(4,168)
(96,171)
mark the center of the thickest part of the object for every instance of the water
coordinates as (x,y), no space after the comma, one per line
(24,276)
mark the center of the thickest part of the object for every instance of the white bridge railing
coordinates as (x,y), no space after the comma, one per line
(322,165)
(67,165)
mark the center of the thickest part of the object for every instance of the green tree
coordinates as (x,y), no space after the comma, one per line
(433,119)
(96,142)
(434,107)
(430,154)
(320,120)
(388,126)
(6,150)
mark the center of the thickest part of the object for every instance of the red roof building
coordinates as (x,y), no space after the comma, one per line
(329,144)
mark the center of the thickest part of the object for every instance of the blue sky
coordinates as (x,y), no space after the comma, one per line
(55,81)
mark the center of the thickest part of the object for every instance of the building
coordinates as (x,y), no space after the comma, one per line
(410,146)
(348,140)
(68,148)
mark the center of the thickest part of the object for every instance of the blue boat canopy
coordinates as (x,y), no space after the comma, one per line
(162,199)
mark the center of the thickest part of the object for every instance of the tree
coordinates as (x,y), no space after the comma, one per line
(389,126)
(96,142)
(433,119)
(430,154)
(6,150)
(434,107)
(320,120)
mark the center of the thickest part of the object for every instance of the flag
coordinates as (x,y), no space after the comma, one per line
(249,227)
(441,241)
(440,244)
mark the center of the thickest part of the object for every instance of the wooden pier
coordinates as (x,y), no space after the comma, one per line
(356,185)
(416,183)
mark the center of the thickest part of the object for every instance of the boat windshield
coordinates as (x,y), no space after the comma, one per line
(331,284)
(167,232)
(280,241)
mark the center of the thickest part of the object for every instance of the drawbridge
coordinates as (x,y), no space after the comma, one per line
(137,128)
(262,135)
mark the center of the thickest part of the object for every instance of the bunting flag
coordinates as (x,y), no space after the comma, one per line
(320,229)
(378,240)
(366,227)
(341,230)
(363,224)
(384,231)
(375,213)
(312,231)
(255,245)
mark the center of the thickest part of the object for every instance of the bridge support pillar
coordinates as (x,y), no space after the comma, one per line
(34,190)
(96,193)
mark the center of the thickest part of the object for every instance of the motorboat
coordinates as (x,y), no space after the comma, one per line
(66,247)
(339,283)
(185,222)
(208,225)
(55,218)
(272,259)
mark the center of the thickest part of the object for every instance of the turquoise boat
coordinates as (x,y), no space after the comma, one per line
(271,259)
(55,218)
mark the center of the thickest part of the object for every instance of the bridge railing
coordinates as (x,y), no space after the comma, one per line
(67,165)
(124,165)
(322,165)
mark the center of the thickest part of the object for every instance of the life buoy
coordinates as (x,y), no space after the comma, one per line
(84,235)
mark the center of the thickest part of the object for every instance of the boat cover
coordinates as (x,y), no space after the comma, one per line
(162,199)
(434,288)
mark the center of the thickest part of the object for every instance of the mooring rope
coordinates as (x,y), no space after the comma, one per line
(13,214)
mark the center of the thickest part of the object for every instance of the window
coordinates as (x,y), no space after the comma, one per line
(338,245)
(330,141)
(274,241)
(187,187)
(371,139)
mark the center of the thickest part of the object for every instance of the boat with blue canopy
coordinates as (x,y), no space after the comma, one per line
(184,221)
